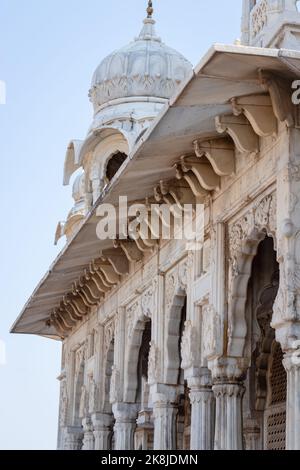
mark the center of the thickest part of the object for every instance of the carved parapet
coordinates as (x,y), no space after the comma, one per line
(241,132)
(220,153)
(258,110)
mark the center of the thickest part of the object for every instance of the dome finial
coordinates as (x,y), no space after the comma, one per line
(150,9)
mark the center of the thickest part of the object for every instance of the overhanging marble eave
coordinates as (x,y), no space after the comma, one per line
(189,116)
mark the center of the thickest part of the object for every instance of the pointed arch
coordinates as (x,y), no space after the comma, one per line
(174,321)
(244,237)
(136,323)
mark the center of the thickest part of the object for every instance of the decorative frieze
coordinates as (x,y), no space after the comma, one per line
(260,220)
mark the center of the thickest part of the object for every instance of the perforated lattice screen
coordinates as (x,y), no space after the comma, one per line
(276,431)
(278,379)
(276,414)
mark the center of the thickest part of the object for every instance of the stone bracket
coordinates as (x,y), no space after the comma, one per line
(189,177)
(241,132)
(118,260)
(280,96)
(220,153)
(258,110)
(130,249)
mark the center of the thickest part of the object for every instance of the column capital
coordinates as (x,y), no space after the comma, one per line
(229,390)
(101,421)
(201,381)
(125,412)
(125,415)
(288,335)
(163,395)
(291,360)
(227,370)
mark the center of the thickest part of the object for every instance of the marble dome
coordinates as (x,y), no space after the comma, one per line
(144,68)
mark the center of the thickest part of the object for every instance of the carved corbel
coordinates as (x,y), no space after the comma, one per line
(68,304)
(220,153)
(198,191)
(58,325)
(86,296)
(258,110)
(147,238)
(95,293)
(66,317)
(99,283)
(279,91)
(118,261)
(96,267)
(104,280)
(65,322)
(141,245)
(93,283)
(78,292)
(166,220)
(70,312)
(81,287)
(110,273)
(130,249)
(204,173)
(241,132)
(184,194)
(79,304)
(169,196)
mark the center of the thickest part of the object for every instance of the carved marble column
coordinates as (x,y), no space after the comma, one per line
(292,365)
(73,438)
(164,412)
(125,415)
(102,424)
(88,436)
(203,412)
(228,388)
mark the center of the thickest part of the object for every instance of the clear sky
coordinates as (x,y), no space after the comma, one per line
(48,52)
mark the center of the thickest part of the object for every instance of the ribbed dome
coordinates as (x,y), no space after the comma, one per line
(144,68)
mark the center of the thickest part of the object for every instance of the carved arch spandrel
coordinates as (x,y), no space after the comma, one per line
(244,237)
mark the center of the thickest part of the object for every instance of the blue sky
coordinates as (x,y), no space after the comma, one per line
(48,52)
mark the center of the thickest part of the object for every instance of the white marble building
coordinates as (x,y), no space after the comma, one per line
(165,346)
